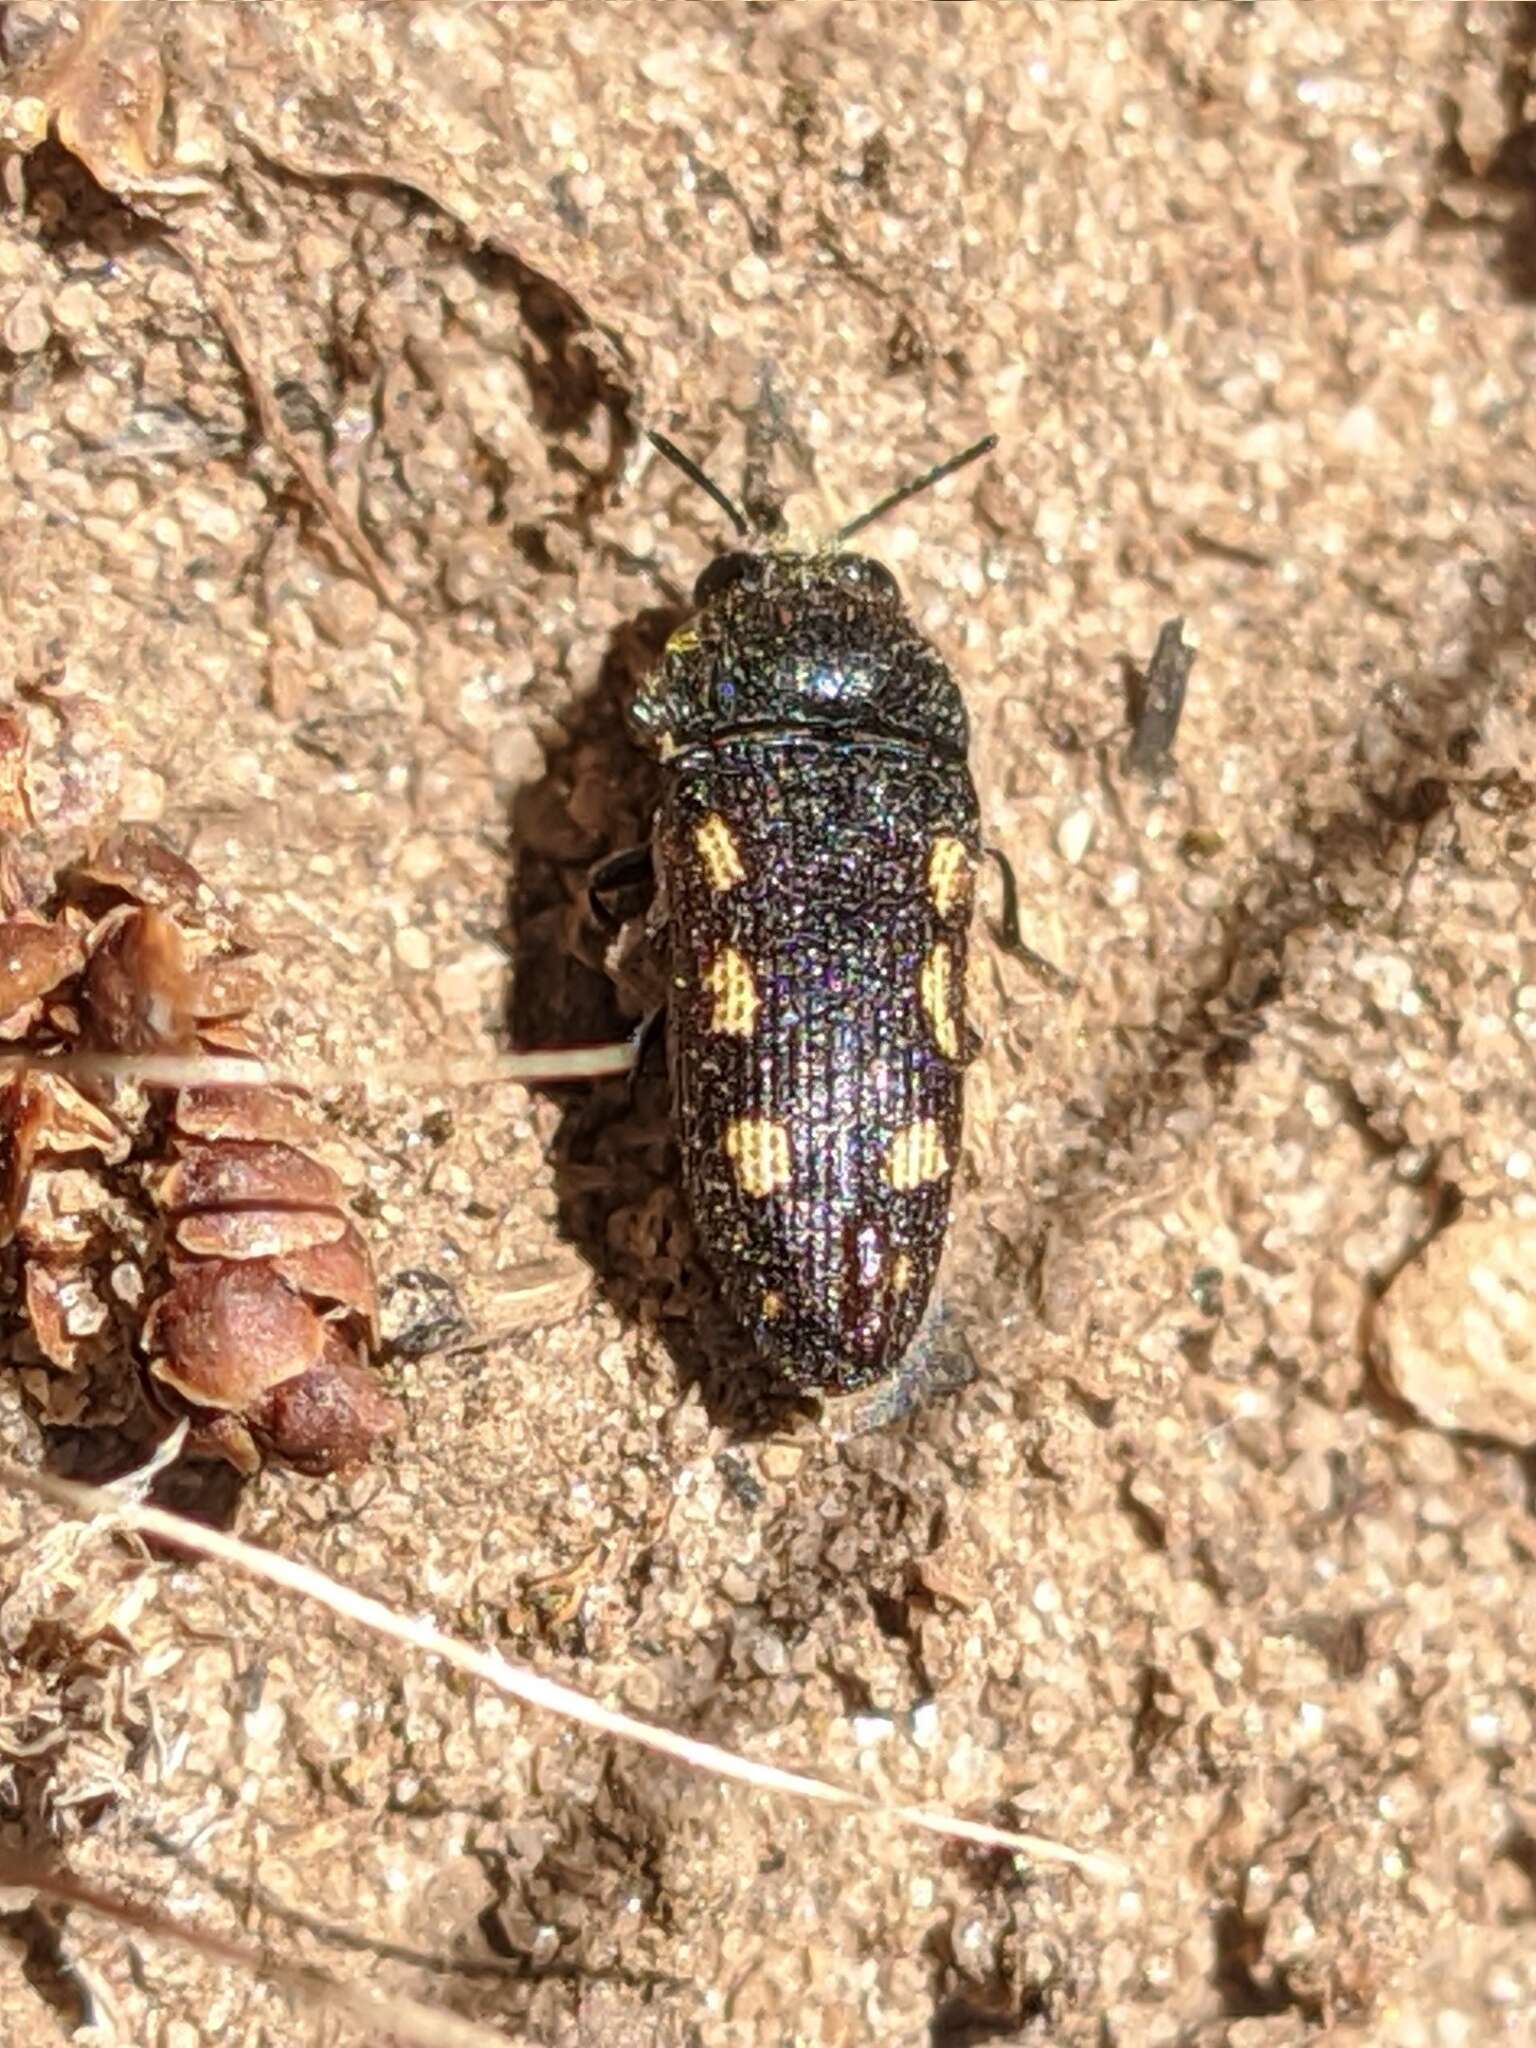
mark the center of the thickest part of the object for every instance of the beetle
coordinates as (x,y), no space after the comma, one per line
(814,853)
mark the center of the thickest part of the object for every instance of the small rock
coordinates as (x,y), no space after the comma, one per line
(668,68)
(768,1653)
(781,1461)
(751,279)
(347,613)
(76,307)
(413,949)
(925,1724)
(1074,835)
(1455,1334)
(25,328)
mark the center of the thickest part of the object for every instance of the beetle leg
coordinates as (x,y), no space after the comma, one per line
(630,868)
(644,1039)
(1011,939)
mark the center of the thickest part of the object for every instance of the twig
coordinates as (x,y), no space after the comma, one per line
(534,1690)
(274,427)
(379,2013)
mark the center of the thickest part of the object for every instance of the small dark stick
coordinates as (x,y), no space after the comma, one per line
(1010,934)
(1158,701)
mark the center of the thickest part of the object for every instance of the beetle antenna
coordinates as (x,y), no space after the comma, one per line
(694,474)
(918,483)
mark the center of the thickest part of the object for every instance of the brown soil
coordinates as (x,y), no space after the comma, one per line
(327,338)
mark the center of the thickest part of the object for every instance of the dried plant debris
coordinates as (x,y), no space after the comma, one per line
(201,1232)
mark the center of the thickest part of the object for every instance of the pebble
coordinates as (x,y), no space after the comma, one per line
(143,796)
(751,278)
(421,856)
(25,328)
(1074,835)
(346,612)
(666,67)
(1455,1334)
(465,985)
(925,1724)
(781,1461)
(769,1654)
(413,949)
(76,307)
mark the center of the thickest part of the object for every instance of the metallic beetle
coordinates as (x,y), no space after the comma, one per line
(815,849)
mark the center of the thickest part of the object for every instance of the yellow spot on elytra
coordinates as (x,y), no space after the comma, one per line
(737,1002)
(719,852)
(759,1151)
(901,1274)
(772,1306)
(949,873)
(916,1155)
(936,986)
(683,641)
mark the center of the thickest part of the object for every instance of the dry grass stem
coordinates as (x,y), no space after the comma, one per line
(213,1070)
(533,1689)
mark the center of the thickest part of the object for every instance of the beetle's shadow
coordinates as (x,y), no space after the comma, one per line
(615,1163)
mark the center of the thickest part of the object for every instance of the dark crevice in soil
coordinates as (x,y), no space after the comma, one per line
(966,2020)
(76,216)
(1519,1848)
(87,231)
(1245,1992)
(1508,175)
(569,381)
(1149,1526)
(971,2009)
(35,1934)
(1152,1725)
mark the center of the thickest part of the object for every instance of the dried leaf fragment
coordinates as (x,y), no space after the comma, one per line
(43,1113)
(227,988)
(134,866)
(68,1121)
(45,1312)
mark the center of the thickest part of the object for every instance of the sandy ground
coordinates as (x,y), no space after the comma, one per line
(1248,294)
